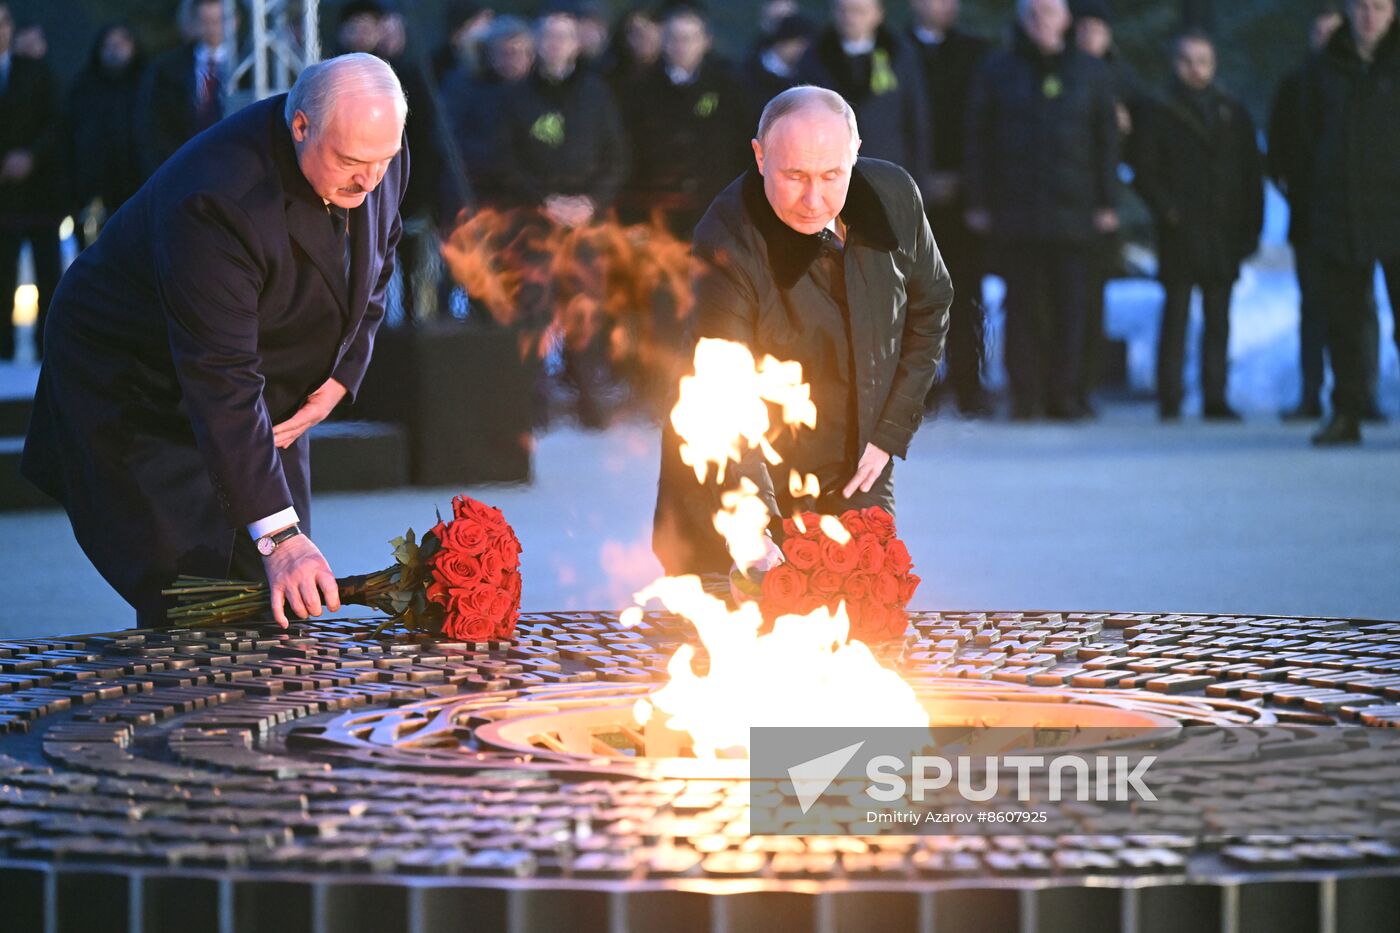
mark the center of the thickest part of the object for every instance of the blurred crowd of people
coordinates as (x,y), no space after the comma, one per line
(1021,144)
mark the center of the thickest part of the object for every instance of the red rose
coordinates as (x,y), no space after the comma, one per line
(507,547)
(840,558)
(825,583)
(881,522)
(439,593)
(872,554)
(857,587)
(465,535)
(906,589)
(897,557)
(455,568)
(505,628)
(854,523)
(783,586)
(501,606)
(438,531)
(802,553)
(469,628)
(492,569)
(884,589)
(513,587)
(810,523)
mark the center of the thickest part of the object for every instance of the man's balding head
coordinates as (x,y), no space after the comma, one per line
(805,150)
(346,116)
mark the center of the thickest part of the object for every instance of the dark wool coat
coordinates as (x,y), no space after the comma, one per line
(948,69)
(1201,174)
(561,137)
(1351,158)
(1042,143)
(870,360)
(215,301)
(888,97)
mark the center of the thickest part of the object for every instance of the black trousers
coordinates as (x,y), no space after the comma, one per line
(1215,342)
(1349,300)
(1312,333)
(963,254)
(1046,285)
(1101,267)
(48,266)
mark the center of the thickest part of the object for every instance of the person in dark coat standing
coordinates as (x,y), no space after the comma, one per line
(471,101)
(822,258)
(688,123)
(467,22)
(950,58)
(229,306)
(1201,174)
(1093,34)
(101,142)
(184,89)
(30,196)
(1351,158)
(1041,172)
(1286,145)
(868,64)
(563,160)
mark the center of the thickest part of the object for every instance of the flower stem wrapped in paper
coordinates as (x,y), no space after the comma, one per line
(460,581)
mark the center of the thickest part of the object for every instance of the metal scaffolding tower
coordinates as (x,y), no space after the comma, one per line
(268,42)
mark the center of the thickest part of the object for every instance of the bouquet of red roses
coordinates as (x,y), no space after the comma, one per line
(461,581)
(871,572)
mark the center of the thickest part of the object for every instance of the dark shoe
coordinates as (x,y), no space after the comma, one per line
(1307,411)
(1022,411)
(1341,430)
(1373,414)
(1221,413)
(1067,412)
(1169,414)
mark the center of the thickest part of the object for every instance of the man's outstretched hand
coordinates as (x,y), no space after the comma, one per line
(315,410)
(300,576)
(872,464)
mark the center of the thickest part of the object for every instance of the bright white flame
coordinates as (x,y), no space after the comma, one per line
(804,671)
(800,486)
(26,307)
(722,409)
(831,527)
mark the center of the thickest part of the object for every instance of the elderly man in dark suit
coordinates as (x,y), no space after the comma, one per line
(226,309)
(821,258)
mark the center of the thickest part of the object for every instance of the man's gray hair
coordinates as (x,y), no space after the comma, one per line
(805,97)
(320,86)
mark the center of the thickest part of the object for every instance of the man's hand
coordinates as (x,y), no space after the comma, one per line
(299,575)
(772,557)
(18,164)
(978,220)
(317,406)
(569,210)
(872,464)
(1105,220)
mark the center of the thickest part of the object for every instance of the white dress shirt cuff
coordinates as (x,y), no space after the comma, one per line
(275,522)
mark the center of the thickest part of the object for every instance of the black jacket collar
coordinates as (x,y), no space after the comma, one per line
(791,253)
(1342,48)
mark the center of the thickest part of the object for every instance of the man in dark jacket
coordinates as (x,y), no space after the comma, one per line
(1351,130)
(688,123)
(184,88)
(950,57)
(231,304)
(772,66)
(868,63)
(829,261)
(1041,170)
(1286,145)
(30,205)
(1201,174)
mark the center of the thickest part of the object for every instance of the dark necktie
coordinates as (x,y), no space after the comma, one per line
(340,223)
(831,241)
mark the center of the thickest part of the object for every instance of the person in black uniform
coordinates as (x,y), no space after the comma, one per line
(1201,173)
